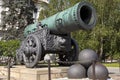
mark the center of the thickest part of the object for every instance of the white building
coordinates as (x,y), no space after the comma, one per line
(39,6)
(38,3)
(1,9)
(1,34)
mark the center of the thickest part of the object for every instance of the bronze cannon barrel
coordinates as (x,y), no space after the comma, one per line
(81,16)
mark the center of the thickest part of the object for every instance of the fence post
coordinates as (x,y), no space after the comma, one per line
(119,64)
(94,76)
(49,70)
(9,61)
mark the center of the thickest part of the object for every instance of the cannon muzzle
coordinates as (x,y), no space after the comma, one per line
(80,16)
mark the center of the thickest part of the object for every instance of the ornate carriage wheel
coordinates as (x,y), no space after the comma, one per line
(32,51)
(70,56)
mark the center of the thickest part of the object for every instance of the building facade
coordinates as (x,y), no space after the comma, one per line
(1,9)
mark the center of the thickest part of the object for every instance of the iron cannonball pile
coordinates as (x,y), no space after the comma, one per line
(101,72)
(87,56)
(85,68)
(76,71)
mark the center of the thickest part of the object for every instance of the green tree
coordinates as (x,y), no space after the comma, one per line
(54,7)
(18,16)
(8,48)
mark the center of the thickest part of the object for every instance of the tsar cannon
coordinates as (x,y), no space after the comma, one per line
(52,35)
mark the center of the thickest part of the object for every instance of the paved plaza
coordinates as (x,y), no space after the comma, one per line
(114,73)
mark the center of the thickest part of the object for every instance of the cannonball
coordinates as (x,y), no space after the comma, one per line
(76,71)
(101,72)
(87,56)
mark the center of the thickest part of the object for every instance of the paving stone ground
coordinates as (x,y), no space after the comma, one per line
(114,74)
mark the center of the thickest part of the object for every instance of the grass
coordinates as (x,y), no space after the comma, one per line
(111,64)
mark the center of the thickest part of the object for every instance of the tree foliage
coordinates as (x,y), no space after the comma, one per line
(104,38)
(17,14)
(8,48)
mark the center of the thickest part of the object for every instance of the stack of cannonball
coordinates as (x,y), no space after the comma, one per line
(85,68)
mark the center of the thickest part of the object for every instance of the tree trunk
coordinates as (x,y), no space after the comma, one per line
(100,51)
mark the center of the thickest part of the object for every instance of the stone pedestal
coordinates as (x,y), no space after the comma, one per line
(23,73)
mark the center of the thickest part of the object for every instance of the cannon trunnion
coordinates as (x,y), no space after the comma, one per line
(52,35)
